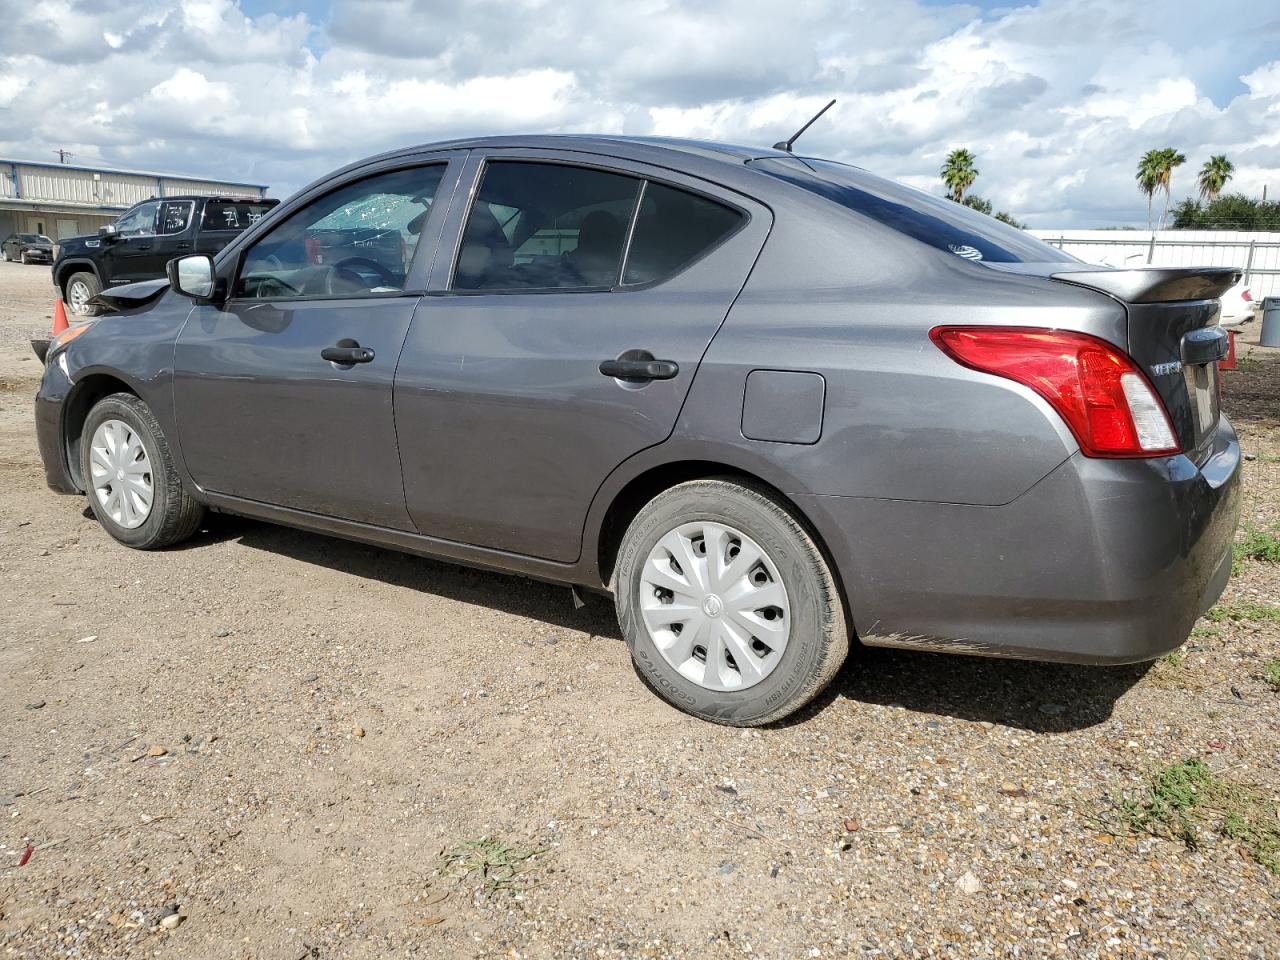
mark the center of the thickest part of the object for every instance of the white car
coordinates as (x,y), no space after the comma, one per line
(1237,306)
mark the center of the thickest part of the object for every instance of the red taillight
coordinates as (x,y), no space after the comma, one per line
(1095,387)
(1245,296)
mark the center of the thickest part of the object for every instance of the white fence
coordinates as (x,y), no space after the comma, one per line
(1257,254)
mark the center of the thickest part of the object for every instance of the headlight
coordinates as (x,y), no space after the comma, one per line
(60,342)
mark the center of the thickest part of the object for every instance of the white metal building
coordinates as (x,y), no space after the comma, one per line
(67,200)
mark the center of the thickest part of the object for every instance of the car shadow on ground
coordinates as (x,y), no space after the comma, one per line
(1040,697)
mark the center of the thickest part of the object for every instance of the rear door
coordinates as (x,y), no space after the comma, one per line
(283,393)
(507,424)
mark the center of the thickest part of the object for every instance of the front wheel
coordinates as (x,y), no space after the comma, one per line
(727,604)
(128,472)
(81,287)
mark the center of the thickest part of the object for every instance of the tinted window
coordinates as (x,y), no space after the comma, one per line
(937,221)
(673,229)
(233,215)
(545,226)
(138,223)
(357,241)
(175,216)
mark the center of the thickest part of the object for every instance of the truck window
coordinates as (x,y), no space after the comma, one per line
(233,214)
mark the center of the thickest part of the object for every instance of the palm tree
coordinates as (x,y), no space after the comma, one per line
(1148,177)
(1214,176)
(1169,159)
(958,173)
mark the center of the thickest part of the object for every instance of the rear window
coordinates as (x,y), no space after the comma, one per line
(233,215)
(937,221)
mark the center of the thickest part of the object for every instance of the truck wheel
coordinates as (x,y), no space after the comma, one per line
(727,604)
(134,489)
(80,288)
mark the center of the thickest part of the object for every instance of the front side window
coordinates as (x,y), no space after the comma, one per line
(139,222)
(357,241)
(175,216)
(540,226)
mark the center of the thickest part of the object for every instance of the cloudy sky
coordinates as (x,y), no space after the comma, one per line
(1057,98)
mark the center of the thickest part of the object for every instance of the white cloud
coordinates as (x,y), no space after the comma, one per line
(1058,99)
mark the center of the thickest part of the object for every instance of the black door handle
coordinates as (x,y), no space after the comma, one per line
(640,369)
(347,355)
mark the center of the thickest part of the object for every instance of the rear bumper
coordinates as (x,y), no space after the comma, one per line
(1102,561)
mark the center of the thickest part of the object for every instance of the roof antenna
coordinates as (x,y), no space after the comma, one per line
(786,144)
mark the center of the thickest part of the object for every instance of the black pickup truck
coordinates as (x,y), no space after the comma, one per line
(144,239)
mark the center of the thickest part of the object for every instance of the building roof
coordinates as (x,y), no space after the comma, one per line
(54,165)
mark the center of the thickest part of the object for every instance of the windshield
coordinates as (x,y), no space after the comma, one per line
(33,238)
(937,221)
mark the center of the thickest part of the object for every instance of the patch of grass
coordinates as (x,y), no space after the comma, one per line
(1175,658)
(1249,611)
(489,863)
(1202,631)
(1261,545)
(1273,675)
(1185,799)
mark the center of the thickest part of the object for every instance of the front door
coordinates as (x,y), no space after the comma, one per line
(507,424)
(283,394)
(126,257)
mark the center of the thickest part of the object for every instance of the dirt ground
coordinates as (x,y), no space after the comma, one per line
(280,734)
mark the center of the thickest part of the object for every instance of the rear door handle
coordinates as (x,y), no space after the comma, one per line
(640,369)
(347,355)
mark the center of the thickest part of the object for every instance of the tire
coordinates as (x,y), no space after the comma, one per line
(774,684)
(4,255)
(23,255)
(173,514)
(75,298)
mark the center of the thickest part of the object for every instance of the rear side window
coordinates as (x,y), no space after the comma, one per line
(233,215)
(674,228)
(937,221)
(539,226)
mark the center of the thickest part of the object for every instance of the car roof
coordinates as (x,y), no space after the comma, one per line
(619,145)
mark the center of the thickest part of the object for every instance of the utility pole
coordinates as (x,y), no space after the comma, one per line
(63,156)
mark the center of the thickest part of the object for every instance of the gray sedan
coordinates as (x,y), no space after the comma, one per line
(771,404)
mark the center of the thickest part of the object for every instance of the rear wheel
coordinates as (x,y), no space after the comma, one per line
(727,604)
(81,287)
(134,489)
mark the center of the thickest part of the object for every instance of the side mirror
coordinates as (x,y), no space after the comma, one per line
(192,276)
(109,232)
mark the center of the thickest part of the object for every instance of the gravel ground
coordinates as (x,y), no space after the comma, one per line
(279,734)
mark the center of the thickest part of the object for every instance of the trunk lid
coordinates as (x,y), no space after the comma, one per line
(1173,336)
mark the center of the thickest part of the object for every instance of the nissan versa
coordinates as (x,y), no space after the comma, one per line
(771,403)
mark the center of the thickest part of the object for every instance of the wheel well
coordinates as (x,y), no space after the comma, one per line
(67,269)
(87,392)
(642,489)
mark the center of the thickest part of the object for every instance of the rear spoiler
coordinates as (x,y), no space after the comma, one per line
(1155,284)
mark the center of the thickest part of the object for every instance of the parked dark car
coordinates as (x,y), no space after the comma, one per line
(772,404)
(145,238)
(27,248)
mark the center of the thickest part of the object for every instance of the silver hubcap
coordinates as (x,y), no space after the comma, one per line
(121,473)
(715,606)
(78,294)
